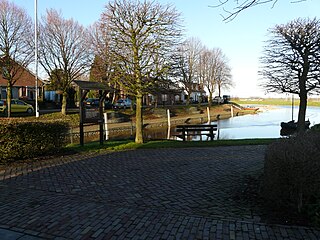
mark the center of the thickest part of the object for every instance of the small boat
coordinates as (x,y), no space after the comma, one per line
(292,125)
(250,108)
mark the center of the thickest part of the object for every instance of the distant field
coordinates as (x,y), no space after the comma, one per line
(276,101)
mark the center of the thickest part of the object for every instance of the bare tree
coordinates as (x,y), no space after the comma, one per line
(188,62)
(291,61)
(143,35)
(103,68)
(64,51)
(213,71)
(241,5)
(16,35)
(224,77)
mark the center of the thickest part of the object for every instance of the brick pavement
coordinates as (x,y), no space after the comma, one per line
(141,194)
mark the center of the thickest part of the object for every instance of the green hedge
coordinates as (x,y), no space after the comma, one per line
(291,181)
(22,140)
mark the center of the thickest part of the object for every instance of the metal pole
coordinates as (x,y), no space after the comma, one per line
(36,52)
(292,107)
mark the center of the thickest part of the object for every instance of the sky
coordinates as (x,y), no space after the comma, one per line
(241,39)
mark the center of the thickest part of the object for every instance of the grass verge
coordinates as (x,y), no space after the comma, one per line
(130,144)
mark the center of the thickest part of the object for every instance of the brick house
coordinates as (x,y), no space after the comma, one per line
(23,88)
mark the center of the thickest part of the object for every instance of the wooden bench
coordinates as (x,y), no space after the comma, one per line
(196,130)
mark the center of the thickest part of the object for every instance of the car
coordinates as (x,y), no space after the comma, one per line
(218,100)
(108,104)
(17,106)
(123,103)
(92,102)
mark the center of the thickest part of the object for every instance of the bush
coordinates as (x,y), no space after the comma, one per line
(316,127)
(291,180)
(22,140)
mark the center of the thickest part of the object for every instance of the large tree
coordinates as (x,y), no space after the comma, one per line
(224,77)
(16,48)
(188,60)
(103,68)
(143,35)
(213,71)
(64,51)
(233,7)
(291,61)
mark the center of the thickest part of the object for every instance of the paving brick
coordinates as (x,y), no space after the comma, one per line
(142,194)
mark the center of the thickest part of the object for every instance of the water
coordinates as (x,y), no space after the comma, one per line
(265,124)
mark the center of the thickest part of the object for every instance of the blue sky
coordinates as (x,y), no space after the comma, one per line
(241,40)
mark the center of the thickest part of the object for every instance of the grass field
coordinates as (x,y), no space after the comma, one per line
(131,145)
(315,102)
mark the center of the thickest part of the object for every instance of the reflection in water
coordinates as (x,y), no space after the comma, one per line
(265,124)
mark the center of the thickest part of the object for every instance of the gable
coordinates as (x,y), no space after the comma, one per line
(26,78)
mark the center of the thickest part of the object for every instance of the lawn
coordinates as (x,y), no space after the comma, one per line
(314,102)
(130,144)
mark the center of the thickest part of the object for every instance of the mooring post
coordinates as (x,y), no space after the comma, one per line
(106,125)
(169,123)
(208,112)
(231,110)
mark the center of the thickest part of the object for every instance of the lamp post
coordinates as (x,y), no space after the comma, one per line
(36,52)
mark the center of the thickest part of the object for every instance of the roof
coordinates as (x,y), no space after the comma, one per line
(89,85)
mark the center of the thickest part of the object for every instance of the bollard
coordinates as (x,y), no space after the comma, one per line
(106,125)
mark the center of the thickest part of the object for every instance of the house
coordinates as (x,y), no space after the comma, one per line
(164,93)
(23,88)
(198,94)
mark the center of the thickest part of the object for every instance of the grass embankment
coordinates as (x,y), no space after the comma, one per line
(277,101)
(110,146)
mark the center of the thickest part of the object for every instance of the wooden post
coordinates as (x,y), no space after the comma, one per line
(169,124)
(101,98)
(106,125)
(231,111)
(208,112)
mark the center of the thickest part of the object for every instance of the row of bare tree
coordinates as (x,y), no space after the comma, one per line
(139,46)
(135,46)
(209,67)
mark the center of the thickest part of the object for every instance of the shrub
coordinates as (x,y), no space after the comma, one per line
(21,140)
(291,180)
(316,127)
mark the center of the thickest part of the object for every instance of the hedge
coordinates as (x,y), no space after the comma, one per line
(23,140)
(291,180)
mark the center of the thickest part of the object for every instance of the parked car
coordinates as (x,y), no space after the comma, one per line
(226,98)
(92,102)
(218,100)
(17,106)
(122,103)
(108,104)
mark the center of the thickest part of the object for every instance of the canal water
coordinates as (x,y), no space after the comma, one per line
(265,124)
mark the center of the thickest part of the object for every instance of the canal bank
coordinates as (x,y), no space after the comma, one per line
(156,121)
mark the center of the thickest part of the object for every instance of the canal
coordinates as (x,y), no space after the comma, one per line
(265,124)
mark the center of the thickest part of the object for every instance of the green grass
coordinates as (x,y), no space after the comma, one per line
(278,101)
(130,144)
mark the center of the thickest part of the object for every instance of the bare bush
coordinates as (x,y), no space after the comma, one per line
(291,179)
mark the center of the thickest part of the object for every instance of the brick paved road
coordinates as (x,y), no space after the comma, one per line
(141,194)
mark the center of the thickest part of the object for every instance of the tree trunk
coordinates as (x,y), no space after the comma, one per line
(210,99)
(219,90)
(64,103)
(302,111)
(9,97)
(188,97)
(139,120)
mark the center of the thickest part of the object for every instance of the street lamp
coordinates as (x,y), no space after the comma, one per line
(36,52)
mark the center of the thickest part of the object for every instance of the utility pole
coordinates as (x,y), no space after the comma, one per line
(36,52)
